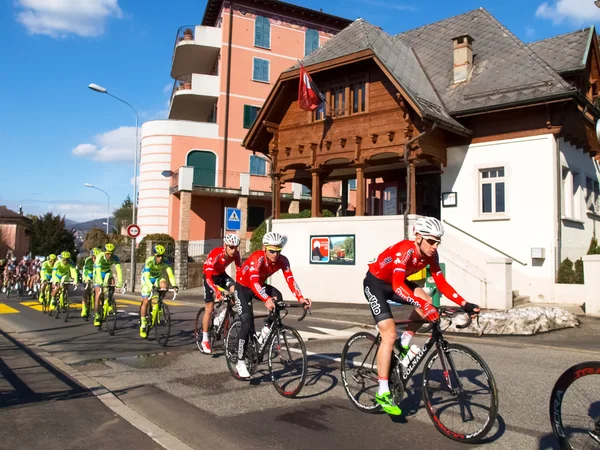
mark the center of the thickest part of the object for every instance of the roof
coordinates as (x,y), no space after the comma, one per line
(399,60)
(213,9)
(6,213)
(566,52)
(505,71)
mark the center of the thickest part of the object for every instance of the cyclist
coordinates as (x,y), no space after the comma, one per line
(250,284)
(153,269)
(23,272)
(87,277)
(46,273)
(2,267)
(216,279)
(10,271)
(386,280)
(103,276)
(63,272)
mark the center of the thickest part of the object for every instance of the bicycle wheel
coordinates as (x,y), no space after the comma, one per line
(359,371)
(287,361)
(111,316)
(473,391)
(57,306)
(582,429)
(232,340)
(162,326)
(66,306)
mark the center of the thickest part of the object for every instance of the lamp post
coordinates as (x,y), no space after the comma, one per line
(108,203)
(102,90)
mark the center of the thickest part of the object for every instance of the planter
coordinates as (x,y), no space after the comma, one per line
(188,35)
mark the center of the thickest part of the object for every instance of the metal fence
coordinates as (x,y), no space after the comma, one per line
(197,249)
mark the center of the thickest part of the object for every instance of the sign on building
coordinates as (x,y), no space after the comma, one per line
(233,219)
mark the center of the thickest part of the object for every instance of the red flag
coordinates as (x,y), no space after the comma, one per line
(309,96)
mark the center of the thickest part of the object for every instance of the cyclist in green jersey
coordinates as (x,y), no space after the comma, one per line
(151,273)
(88,276)
(46,272)
(103,276)
(63,272)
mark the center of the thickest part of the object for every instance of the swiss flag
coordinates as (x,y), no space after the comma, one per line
(309,96)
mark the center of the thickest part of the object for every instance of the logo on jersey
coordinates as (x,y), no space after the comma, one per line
(385,262)
(373,302)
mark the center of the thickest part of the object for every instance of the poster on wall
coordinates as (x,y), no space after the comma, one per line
(332,249)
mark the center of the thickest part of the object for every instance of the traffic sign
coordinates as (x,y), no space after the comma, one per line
(233,219)
(133,231)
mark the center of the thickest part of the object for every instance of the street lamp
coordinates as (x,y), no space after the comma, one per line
(102,90)
(108,206)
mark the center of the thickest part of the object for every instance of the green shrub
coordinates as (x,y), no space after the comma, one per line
(578,279)
(594,249)
(566,275)
(158,238)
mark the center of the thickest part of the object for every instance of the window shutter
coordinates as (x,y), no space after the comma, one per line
(307,43)
(266,30)
(262,166)
(253,164)
(256,69)
(315,40)
(247,116)
(258,31)
(265,70)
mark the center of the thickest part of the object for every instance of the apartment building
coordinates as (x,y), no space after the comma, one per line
(193,164)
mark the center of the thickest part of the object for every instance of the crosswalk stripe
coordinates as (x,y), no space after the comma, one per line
(33,305)
(5,309)
(138,302)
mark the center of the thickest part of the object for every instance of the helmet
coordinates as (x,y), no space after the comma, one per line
(13,259)
(52,257)
(272,238)
(159,250)
(65,255)
(231,239)
(109,248)
(429,226)
(95,251)
(26,258)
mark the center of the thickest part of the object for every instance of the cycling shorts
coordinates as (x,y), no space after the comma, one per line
(63,278)
(103,275)
(378,292)
(48,277)
(222,280)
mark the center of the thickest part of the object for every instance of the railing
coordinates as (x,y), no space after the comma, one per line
(181,83)
(175,179)
(485,243)
(204,248)
(184,33)
(214,178)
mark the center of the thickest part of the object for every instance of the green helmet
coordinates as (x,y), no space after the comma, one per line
(159,250)
(65,255)
(109,248)
(95,251)
(52,257)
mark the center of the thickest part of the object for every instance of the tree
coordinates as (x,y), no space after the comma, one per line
(158,238)
(49,235)
(122,216)
(96,237)
(349,246)
(593,249)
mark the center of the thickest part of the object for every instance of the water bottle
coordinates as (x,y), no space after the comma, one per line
(219,319)
(264,333)
(410,355)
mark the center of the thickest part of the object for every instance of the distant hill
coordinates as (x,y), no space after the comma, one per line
(70,223)
(87,226)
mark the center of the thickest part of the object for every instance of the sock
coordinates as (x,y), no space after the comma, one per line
(383,386)
(205,336)
(406,337)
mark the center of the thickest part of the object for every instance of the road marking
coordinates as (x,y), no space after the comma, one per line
(5,309)
(328,333)
(33,305)
(168,302)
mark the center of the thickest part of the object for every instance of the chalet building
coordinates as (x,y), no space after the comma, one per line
(459,120)
(15,233)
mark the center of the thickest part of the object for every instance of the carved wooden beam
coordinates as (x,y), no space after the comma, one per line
(327,145)
(287,150)
(373,137)
(300,148)
(391,135)
(313,153)
(273,125)
(343,142)
(357,142)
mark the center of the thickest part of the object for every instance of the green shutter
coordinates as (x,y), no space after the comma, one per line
(266,33)
(247,116)
(205,164)
(262,32)
(311,41)
(258,31)
(265,70)
(256,69)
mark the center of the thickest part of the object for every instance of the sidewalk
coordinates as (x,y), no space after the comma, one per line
(40,407)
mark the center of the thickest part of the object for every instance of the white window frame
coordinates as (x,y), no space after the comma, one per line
(592,197)
(478,177)
(266,166)
(254,58)
(570,193)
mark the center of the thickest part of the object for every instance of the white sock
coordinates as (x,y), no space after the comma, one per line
(406,337)
(383,386)
(205,336)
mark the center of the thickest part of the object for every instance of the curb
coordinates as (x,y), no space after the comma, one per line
(160,436)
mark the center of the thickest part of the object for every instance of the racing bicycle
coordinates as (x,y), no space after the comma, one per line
(218,326)
(158,316)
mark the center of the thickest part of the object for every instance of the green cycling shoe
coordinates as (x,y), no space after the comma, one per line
(386,401)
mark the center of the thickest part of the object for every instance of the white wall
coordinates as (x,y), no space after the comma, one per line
(530,217)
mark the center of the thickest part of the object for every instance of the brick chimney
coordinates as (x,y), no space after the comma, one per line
(463,57)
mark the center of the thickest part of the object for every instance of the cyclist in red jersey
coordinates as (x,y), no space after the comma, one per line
(215,276)
(250,284)
(386,280)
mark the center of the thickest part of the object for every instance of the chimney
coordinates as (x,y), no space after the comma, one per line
(21,209)
(463,57)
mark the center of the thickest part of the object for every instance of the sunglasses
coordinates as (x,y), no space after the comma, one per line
(273,251)
(107,254)
(232,247)
(433,242)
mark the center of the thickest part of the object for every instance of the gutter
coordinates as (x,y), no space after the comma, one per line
(588,46)
(408,174)
(227,94)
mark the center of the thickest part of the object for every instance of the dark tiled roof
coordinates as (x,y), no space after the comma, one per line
(399,59)
(6,213)
(565,52)
(505,70)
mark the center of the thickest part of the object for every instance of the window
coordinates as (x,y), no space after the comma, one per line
(256,216)
(311,41)
(320,111)
(570,194)
(258,166)
(338,97)
(343,98)
(592,195)
(492,191)
(205,164)
(250,114)
(357,91)
(262,32)
(352,185)
(305,190)
(260,70)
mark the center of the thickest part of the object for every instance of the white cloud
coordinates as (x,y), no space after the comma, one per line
(58,18)
(114,145)
(578,12)
(168,88)
(79,212)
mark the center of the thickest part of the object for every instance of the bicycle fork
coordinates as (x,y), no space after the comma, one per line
(457,391)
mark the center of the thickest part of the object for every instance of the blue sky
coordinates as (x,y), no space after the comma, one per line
(56,134)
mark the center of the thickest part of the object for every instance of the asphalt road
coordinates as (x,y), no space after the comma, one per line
(193,397)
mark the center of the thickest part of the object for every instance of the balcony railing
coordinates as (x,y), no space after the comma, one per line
(184,33)
(182,83)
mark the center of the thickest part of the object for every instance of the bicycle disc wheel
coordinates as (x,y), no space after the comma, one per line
(111,317)
(580,428)
(65,306)
(288,361)
(473,401)
(162,327)
(359,371)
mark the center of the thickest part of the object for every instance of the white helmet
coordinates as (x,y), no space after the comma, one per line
(273,238)
(231,239)
(429,226)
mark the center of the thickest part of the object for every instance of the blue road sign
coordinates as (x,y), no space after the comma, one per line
(233,219)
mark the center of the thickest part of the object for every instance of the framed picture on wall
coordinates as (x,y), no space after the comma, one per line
(449,199)
(336,249)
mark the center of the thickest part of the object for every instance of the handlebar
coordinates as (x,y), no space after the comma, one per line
(282,305)
(450,313)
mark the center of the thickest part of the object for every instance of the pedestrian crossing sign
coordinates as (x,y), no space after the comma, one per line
(233,219)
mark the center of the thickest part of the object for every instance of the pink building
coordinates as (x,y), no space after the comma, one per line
(193,165)
(14,233)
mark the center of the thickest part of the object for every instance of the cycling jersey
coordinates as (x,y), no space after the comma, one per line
(46,272)
(401,260)
(216,263)
(88,268)
(153,270)
(102,267)
(61,271)
(258,268)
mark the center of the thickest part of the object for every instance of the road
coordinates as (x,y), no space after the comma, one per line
(193,397)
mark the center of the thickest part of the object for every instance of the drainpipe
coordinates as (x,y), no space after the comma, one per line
(408,173)
(227,92)
(558,209)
